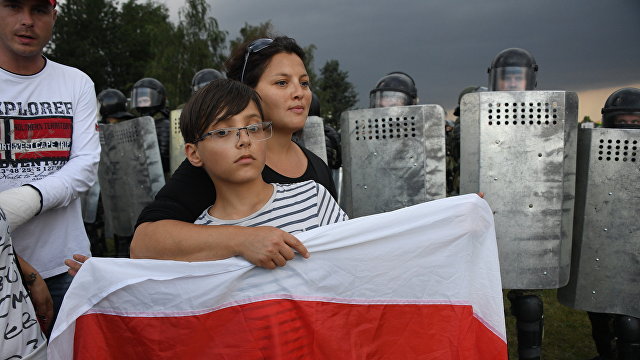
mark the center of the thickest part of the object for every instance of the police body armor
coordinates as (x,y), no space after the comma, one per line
(392,157)
(312,137)
(605,263)
(519,148)
(130,171)
(176,150)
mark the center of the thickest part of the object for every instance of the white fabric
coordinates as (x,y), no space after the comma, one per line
(64,94)
(440,252)
(20,204)
(293,208)
(21,332)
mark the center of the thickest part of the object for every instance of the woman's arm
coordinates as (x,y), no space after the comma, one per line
(40,295)
(263,246)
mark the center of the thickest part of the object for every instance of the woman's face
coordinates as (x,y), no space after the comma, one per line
(284,89)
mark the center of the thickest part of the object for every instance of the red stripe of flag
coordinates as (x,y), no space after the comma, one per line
(290,329)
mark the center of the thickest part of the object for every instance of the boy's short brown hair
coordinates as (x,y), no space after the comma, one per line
(217,101)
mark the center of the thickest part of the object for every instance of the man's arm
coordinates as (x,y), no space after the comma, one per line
(80,172)
(263,246)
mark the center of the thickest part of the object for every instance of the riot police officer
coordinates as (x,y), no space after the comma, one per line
(149,98)
(394,89)
(452,141)
(513,69)
(331,136)
(113,106)
(203,77)
(621,110)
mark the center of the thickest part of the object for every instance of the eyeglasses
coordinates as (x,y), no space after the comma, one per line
(257,132)
(255,46)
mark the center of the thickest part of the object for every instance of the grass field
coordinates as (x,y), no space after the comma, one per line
(567,332)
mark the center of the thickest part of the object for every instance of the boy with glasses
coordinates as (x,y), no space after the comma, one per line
(225,135)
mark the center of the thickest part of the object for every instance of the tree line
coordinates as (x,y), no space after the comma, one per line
(117,44)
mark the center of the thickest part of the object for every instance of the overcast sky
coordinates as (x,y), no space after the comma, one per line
(446,45)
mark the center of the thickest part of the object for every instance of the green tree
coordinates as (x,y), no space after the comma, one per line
(251,32)
(335,91)
(145,33)
(115,47)
(198,43)
(79,41)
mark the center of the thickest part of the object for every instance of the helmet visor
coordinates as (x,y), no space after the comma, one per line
(622,120)
(389,98)
(145,97)
(512,78)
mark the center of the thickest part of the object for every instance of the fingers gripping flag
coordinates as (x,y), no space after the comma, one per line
(417,283)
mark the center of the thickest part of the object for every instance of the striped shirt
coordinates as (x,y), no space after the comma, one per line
(292,207)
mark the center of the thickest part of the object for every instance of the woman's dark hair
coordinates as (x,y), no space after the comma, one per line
(217,101)
(258,61)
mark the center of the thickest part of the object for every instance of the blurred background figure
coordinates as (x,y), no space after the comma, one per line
(394,89)
(452,140)
(617,336)
(113,106)
(513,69)
(149,98)
(205,76)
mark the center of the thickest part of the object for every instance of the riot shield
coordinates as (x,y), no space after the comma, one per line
(130,171)
(392,157)
(605,261)
(89,203)
(312,137)
(176,142)
(519,148)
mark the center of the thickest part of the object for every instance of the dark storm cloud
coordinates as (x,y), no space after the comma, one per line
(448,44)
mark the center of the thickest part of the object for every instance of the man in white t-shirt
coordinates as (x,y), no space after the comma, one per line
(49,146)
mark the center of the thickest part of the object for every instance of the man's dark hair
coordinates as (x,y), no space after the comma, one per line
(219,100)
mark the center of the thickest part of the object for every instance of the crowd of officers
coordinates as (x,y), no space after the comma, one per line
(512,69)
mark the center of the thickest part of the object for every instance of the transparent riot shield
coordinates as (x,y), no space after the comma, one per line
(89,203)
(605,261)
(312,137)
(519,148)
(392,157)
(130,171)
(176,142)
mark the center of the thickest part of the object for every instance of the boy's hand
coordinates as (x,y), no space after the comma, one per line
(75,264)
(269,247)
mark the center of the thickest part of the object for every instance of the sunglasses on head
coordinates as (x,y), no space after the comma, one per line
(255,46)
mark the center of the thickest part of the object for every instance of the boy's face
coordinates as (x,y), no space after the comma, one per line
(232,159)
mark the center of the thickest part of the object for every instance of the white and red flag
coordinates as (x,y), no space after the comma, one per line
(417,283)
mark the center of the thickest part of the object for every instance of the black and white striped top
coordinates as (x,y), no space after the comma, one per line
(292,207)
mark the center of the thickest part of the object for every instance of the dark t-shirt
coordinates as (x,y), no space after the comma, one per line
(190,191)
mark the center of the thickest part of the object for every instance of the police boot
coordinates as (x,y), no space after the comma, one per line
(627,330)
(602,333)
(529,323)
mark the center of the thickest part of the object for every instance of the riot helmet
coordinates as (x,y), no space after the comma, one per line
(622,109)
(465,91)
(203,77)
(513,69)
(314,109)
(394,89)
(148,96)
(113,106)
